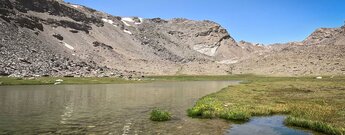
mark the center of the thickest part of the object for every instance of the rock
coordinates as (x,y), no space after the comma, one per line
(69,24)
(58,36)
(99,44)
(31,23)
(74,31)
(158,20)
(24,60)
(319,77)
(3,73)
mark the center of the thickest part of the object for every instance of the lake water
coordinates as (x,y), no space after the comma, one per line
(119,109)
(105,109)
(272,125)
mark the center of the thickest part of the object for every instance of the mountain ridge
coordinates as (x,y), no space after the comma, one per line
(73,40)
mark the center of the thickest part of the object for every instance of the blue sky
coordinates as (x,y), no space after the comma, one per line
(259,21)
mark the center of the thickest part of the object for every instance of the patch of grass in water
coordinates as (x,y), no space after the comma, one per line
(316,104)
(314,125)
(235,115)
(160,115)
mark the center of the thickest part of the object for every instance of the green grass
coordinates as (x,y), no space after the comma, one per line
(111,80)
(203,77)
(160,115)
(66,80)
(314,125)
(308,102)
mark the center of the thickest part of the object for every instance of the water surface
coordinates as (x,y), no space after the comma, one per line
(105,109)
(272,125)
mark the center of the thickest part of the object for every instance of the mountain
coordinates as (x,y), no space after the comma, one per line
(54,38)
(327,36)
(321,53)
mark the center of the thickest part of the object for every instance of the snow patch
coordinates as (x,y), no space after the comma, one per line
(124,22)
(231,61)
(75,6)
(127,31)
(67,45)
(207,50)
(108,21)
(127,19)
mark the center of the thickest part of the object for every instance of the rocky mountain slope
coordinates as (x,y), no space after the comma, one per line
(321,53)
(51,37)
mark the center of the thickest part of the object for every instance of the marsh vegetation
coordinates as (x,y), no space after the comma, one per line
(316,104)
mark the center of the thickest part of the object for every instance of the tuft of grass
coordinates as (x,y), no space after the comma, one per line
(309,103)
(206,108)
(236,115)
(160,115)
(314,125)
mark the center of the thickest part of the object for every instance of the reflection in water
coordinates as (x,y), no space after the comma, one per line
(105,109)
(265,126)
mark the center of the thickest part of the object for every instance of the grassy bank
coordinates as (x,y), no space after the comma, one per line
(111,80)
(317,104)
(66,80)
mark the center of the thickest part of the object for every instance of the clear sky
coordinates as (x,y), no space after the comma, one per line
(259,21)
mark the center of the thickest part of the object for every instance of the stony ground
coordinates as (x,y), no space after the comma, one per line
(40,38)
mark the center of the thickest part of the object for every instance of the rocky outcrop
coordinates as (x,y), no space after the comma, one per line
(99,44)
(56,8)
(326,36)
(23,54)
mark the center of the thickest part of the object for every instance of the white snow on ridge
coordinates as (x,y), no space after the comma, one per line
(108,21)
(124,22)
(127,31)
(75,6)
(127,19)
(67,45)
(210,51)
